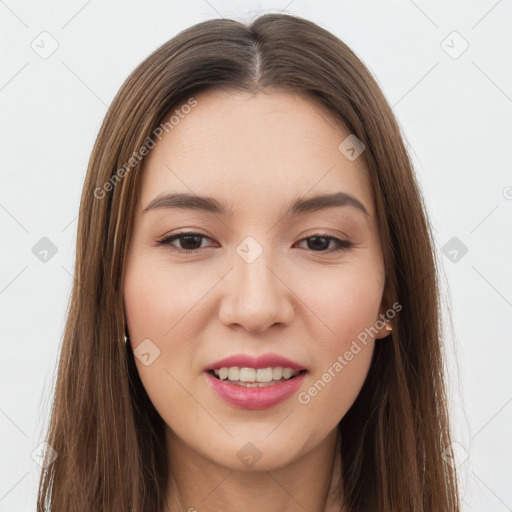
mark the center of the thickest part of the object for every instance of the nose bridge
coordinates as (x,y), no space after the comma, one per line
(253,278)
(256,297)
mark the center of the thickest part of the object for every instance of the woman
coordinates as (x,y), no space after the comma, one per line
(254,323)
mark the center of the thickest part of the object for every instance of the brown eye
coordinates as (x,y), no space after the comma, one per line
(190,242)
(321,242)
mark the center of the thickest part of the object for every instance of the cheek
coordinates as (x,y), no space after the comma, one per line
(165,305)
(157,300)
(340,367)
(159,306)
(347,302)
(334,388)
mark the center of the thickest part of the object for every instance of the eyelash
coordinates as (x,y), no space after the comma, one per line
(343,245)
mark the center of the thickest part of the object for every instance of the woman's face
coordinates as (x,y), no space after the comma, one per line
(260,281)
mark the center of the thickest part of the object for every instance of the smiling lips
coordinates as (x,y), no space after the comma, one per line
(255,383)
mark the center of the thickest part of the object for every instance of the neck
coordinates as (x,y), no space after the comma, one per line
(310,482)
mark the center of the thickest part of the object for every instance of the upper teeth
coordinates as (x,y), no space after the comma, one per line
(255,375)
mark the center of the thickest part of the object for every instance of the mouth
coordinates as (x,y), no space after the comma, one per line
(243,387)
(255,377)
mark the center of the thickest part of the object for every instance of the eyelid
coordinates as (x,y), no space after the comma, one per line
(167,239)
(343,244)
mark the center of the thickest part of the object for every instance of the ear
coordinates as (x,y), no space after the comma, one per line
(383,323)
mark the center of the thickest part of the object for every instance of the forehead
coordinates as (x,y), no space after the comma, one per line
(247,148)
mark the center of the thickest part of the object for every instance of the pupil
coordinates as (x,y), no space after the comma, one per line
(189,237)
(316,245)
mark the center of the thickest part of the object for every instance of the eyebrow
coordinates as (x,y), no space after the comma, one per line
(188,201)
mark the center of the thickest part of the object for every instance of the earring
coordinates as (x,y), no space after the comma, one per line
(388,327)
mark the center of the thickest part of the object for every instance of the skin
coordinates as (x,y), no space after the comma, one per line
(257,153)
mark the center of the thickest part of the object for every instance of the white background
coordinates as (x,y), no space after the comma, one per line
(455,114)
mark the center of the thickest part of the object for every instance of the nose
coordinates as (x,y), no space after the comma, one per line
(256,296)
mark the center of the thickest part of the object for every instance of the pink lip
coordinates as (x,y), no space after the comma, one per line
(263,361)
(255,398)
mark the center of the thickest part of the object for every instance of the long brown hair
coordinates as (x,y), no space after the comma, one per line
(108,437)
